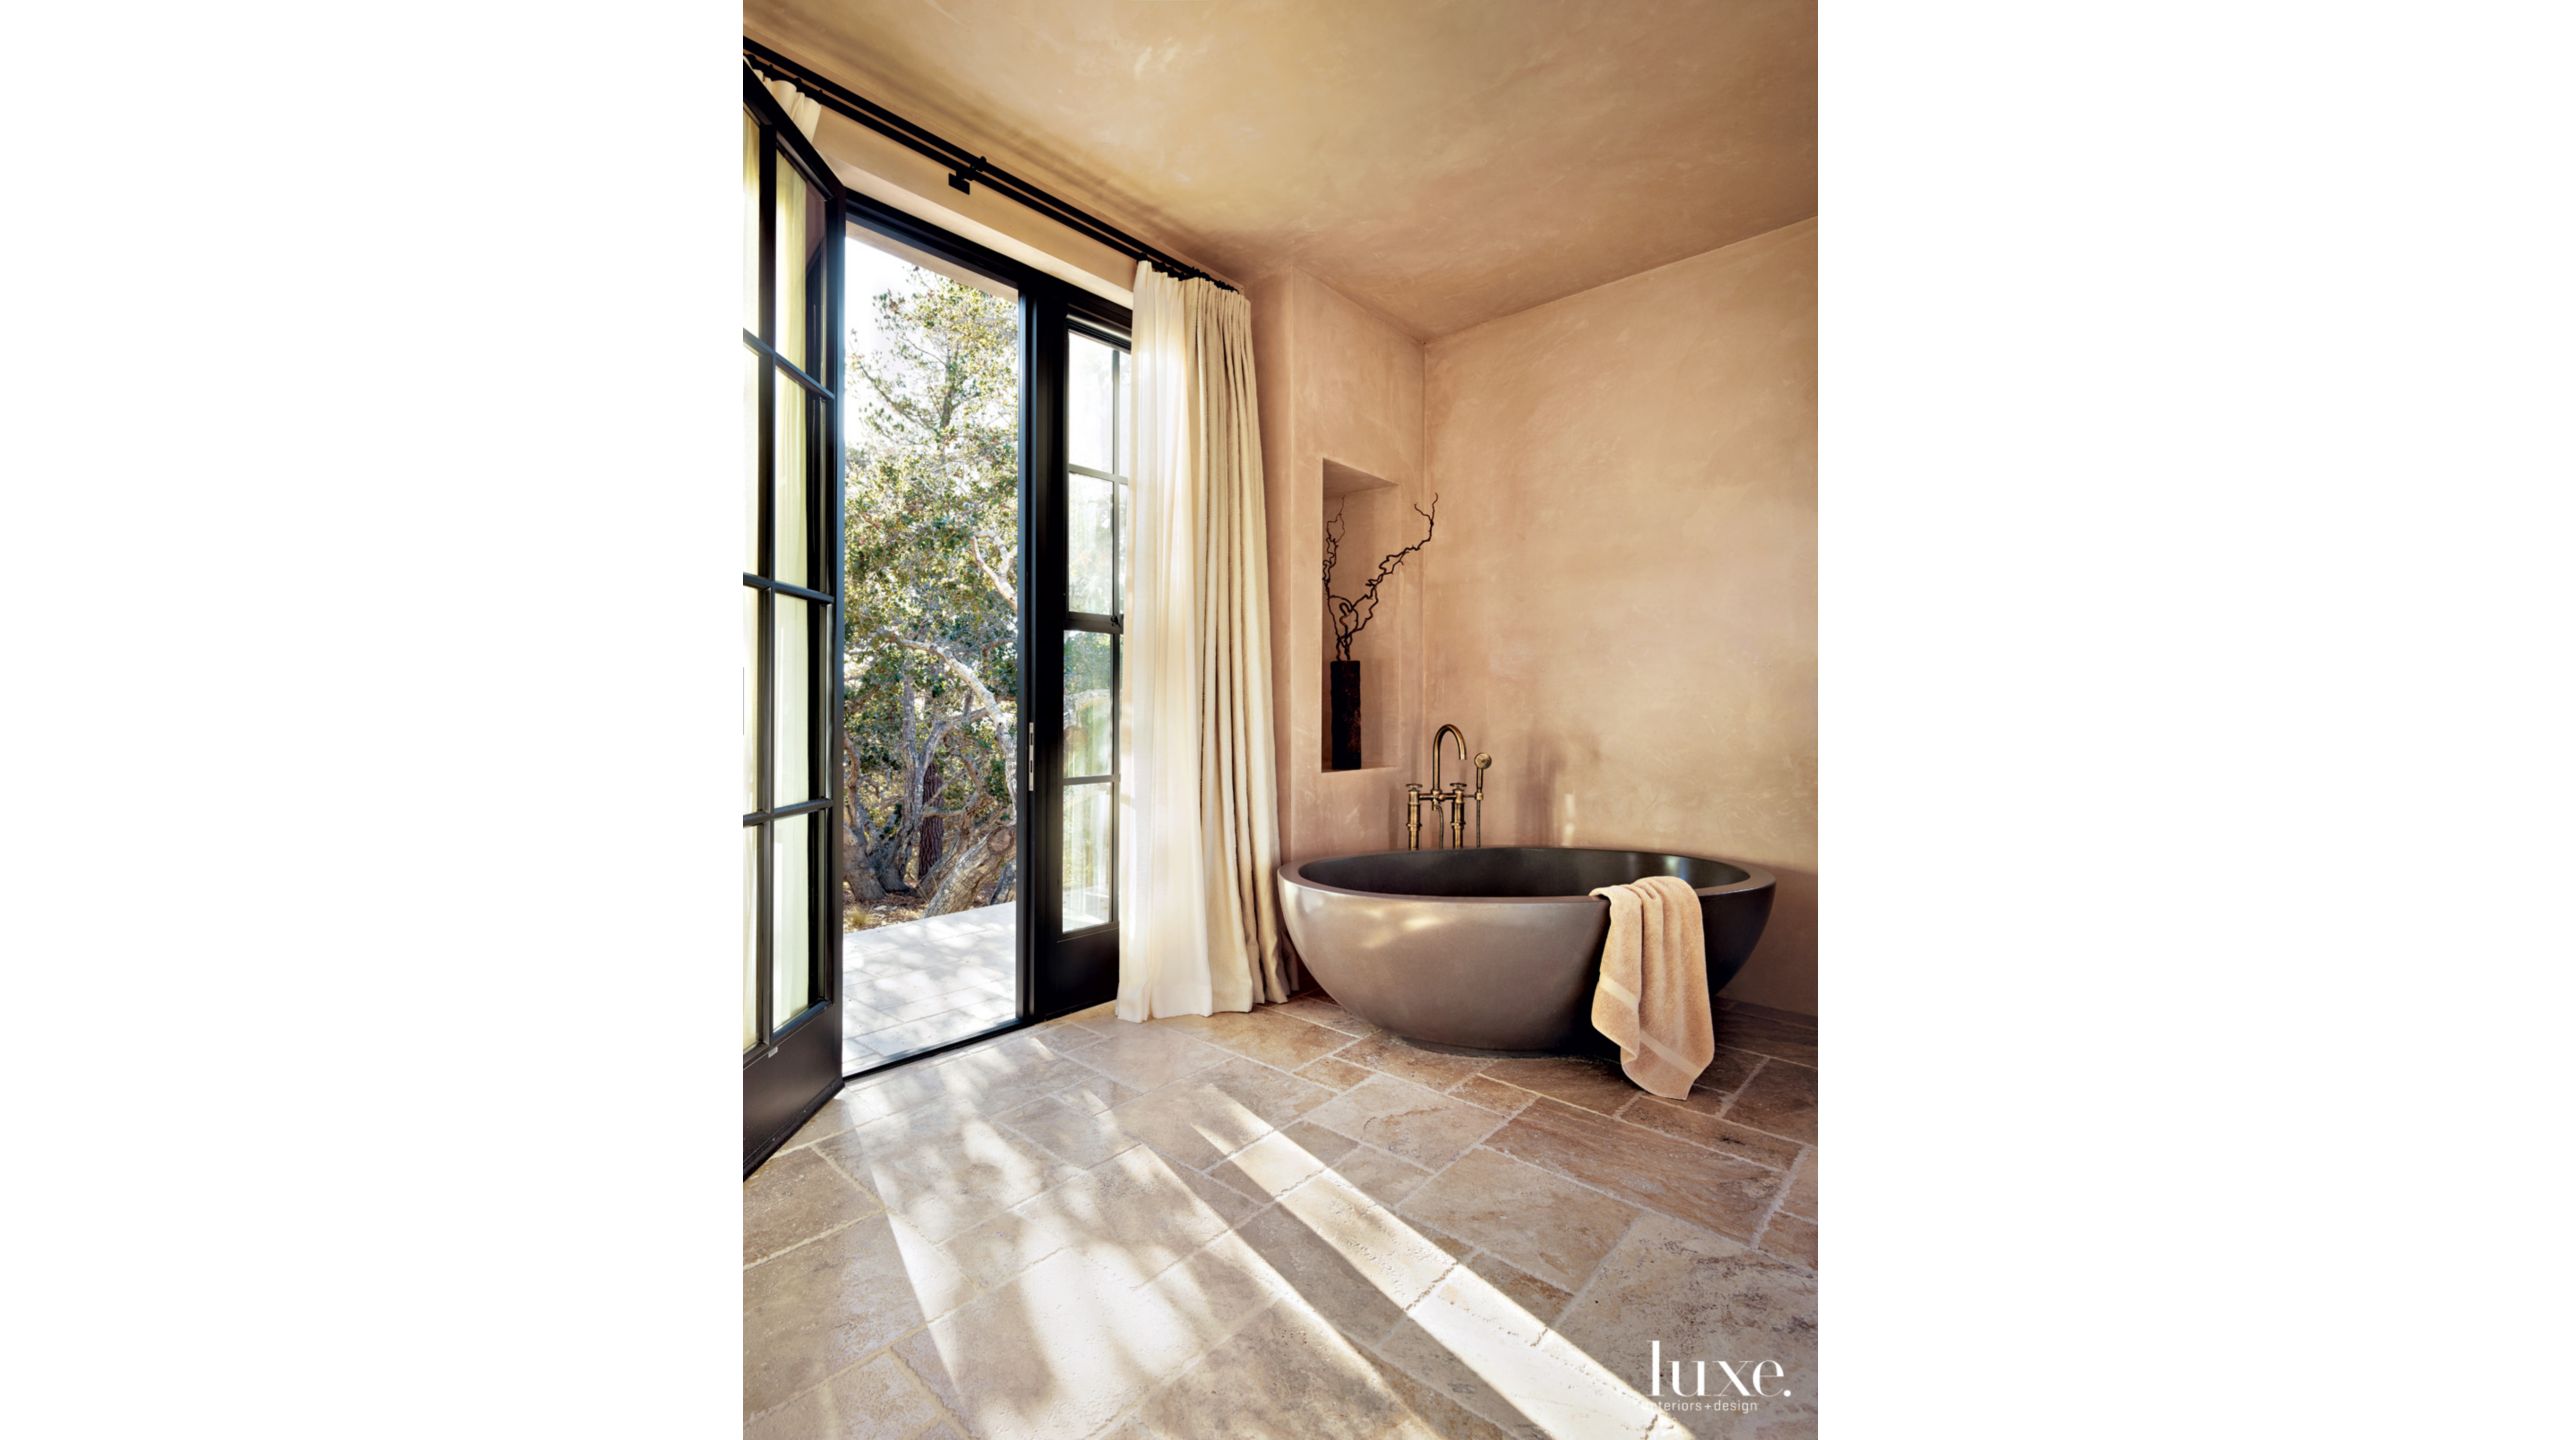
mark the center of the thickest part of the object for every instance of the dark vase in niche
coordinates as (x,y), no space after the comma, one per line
(1346,715)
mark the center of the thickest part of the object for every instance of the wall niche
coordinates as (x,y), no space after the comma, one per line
(1367,518)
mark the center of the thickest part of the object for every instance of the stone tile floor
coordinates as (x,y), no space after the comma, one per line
(920,983)
(1285,1224)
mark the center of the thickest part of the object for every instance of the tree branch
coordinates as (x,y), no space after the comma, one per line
(967,676)
(1351,616)
(997,578)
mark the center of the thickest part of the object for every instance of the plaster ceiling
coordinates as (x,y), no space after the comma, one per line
(1442,162)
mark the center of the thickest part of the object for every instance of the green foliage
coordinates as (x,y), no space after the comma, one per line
(930,534)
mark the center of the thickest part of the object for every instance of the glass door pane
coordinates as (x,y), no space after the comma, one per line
(1086,889)
(932,651)
(1089,689)
(792,1029)
(795,963)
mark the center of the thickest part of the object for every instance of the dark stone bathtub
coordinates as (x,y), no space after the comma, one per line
(1498,948)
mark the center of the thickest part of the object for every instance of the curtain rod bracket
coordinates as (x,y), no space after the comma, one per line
(924,142)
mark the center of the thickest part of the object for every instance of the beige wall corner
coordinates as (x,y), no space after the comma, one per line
(1621,607)
(1341,388)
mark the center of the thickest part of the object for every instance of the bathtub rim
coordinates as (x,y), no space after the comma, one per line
(1753,877)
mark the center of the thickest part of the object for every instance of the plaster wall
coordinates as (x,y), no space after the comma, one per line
(1619,602)
(1339,387)
(1621,607)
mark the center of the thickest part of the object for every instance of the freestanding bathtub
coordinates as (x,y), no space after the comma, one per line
(1498,948)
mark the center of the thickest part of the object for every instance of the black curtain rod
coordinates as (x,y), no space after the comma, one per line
(967,169)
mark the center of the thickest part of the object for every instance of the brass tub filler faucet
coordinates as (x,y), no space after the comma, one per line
(1450,800)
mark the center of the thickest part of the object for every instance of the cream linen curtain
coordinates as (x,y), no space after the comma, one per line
(1201,928)
(803,109)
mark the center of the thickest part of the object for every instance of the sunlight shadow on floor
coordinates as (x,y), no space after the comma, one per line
(1096,1292)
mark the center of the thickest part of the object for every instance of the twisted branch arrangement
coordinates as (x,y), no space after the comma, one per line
(1351,616)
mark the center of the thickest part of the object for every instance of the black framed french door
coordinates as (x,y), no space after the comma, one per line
(793,297)
(1067,936)
(1071,491)
(1085,488)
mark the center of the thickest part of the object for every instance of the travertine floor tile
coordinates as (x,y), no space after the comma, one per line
(1252,1228)
(1702,1297)
(939,1028)
(1725,1074)
(1345,1255)
(1275,1095)
(1592,1084)
(1070,1038)
(1407,1120)
(1698,1127)
(1068,1345)
(1132,1214)
(1318,1010)
(1070,1082)
(1643,1167)
(1492,1094)
(1790,1237)
(1544,1224)
(1799,1199)
(1477,1344)
(1335,1073)
(1146,1056)
(1068,1132)
(796,1195)
(946,1168)
(1760,1035)
(1058,1351)
(1267,1035)
(1446,1417)
(1770,1012)
(1435,1068)
(1219,1287)
(1201,1121)
(1234,1204)
(1011,1073)
(1284,1159)
(833,1118)
(875,1398)
(1373,1172)
(998,1074)
(1779,1099)
(1284,1376)
(887,1094)
(1418,1353)
(1279,1161)
(830,1302)
(1526,1290)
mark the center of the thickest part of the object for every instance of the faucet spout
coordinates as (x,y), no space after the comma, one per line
(1444,733)
(1448,800)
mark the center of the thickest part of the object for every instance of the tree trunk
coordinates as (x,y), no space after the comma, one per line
(929,838)
(889,864)
(973,872)
(861,887)
(966,834)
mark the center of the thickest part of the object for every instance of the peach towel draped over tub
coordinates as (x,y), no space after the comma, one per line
(1652,998)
